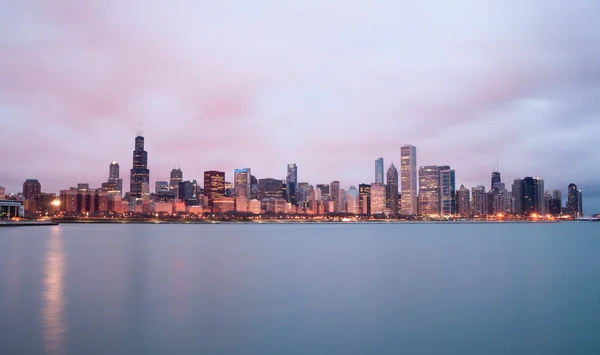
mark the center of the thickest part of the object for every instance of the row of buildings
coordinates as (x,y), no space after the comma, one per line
(427,191)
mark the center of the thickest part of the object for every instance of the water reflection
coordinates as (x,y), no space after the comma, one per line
(53,319)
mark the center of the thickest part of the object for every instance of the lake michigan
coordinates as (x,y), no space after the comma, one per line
(312,288)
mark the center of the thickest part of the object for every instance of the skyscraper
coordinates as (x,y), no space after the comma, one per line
(517,197)
(408,176)
(242,181)
(187,192)
(364,198)
(113,177)
(379,171)
(253,187)
(214,185)
(463,201)
(391,190)
(429,190)
(175,179)
(352,200)
(495,179)
(292,183)
(540,193)
(32,191)
(479,201)
(335,195)
(573,200)
(530,199)
(377,198)
(580,203)
(139,173)
(447,191)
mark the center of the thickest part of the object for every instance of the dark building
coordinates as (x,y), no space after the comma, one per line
(270,188)
(364,198)
(391,190)
(140,174)
(113,177)
(175,179)
(253,187)
(554,207)
(292,183)
(529,191)
(517,197)
(32,190)
(490,202)
(214,185)
(573,200)
(187,192)
(496,179)
(284,191)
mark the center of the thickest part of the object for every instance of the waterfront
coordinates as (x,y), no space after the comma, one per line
(314,288)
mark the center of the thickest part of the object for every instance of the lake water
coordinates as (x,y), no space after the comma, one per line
(301,289)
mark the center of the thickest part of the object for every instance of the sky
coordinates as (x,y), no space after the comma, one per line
(329,85)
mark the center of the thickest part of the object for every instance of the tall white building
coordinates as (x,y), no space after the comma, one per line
(408,179)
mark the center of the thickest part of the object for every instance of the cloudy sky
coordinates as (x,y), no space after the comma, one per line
(327,84)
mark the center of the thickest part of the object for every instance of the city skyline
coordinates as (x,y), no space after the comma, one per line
(446,181)
(223,86)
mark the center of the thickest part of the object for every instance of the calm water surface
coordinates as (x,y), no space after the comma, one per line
(301,289)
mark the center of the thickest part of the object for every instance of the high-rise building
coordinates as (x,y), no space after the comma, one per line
(2,193)
(530,198)
(335,196)
(495,179)
(139,173)
(573,200)
(242,182)
(479,201)
(429,190)
(391,190)
(379,171)
(540,193)
(364,198)
(408,178)
(214,185)
(253,187)
(175,179)
(343,201)
(447,191)
(292,183)
(580,201)
(113,177)
(377,198)
(270,188)
(517,197)
(32,190)
(463,201)
(352,200)
(187,192)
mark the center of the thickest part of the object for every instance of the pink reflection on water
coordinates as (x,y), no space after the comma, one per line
(53,301)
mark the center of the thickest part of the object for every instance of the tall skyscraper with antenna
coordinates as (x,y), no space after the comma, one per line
(140,174)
